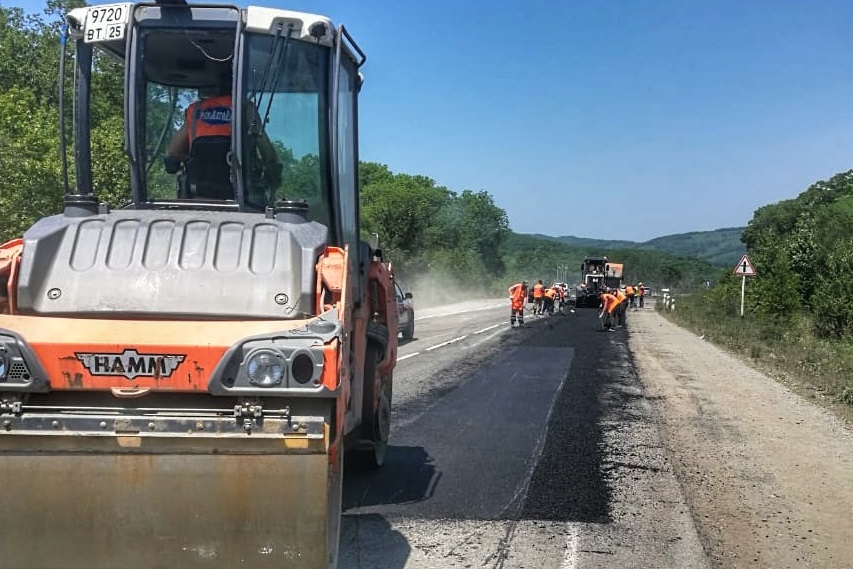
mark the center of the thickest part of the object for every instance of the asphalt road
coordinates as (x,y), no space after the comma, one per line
(533,447)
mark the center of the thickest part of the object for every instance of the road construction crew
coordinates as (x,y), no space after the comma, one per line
(538,295)
(608,305)
(517,298)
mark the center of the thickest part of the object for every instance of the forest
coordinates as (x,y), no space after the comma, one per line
(802,249)
(458,237)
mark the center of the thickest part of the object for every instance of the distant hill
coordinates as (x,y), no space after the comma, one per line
(721,247)
(539,257)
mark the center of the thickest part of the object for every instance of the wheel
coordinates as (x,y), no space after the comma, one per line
(376,406)
(383,424)
(409,330)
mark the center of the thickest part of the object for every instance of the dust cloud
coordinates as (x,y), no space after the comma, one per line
(435,289)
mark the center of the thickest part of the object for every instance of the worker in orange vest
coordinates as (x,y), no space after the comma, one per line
(641,292)
(538,295)
(517,297)
(609,302)
(548,300)
(631,292)
(560,296)
(211,117)
(619,312)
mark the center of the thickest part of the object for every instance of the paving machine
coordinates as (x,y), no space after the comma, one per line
(180,376)
(597,274)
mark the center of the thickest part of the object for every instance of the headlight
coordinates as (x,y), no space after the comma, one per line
(4,366)
(265,368)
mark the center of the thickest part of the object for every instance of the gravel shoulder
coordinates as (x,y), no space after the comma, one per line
(768,476)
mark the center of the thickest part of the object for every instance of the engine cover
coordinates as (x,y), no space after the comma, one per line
(170,264)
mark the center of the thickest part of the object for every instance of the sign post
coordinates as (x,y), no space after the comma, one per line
(744,268)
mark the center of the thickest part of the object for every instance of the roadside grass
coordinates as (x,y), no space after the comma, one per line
(784,348)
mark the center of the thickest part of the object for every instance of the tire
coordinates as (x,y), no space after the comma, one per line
(376,407)
(377,333)
(409,330)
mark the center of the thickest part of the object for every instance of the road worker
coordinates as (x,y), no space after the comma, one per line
(538,295)
(211,118)
(561,296)
(608,305)
(548,300)
(619,312)
(631,292)
(517,298)
(641,292)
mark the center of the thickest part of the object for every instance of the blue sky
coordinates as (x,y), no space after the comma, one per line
(617,119)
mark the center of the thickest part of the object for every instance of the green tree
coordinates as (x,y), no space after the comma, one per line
(833,297)
(400,209)
(30,186)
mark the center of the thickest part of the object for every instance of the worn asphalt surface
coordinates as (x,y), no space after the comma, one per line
(534,447)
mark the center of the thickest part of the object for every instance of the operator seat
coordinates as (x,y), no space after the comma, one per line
(207,173)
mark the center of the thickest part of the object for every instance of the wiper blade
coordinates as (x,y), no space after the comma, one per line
(277,54)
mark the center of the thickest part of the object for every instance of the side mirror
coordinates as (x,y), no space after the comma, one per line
(408,295)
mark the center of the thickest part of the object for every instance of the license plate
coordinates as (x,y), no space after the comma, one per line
(106,23)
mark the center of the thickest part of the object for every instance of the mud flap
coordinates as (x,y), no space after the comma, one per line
(155,503)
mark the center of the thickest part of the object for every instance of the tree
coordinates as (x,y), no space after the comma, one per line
(400,209)
(30,186)
(833,297)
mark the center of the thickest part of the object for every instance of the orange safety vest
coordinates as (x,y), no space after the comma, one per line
(518,294)
(609,301)
(210,117)
(537,290)
(629,290)
(551,293)
(620,296)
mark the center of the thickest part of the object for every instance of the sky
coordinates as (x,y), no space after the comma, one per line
(609,119)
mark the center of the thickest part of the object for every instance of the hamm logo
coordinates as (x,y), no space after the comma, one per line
(215,115)
(131,364)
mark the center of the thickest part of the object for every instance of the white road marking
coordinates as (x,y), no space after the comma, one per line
(570,559)
(431,348)
(486,329)
(407,356)
(490,336)
(492,307)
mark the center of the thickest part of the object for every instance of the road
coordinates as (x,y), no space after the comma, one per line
(535,447)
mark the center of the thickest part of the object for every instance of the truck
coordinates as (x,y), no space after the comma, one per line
(182,376)
(597,274)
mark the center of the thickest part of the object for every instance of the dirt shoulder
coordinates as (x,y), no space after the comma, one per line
(768,475)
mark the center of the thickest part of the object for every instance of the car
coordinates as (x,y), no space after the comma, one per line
(405,312)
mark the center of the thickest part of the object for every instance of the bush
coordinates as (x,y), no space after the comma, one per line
(832,302)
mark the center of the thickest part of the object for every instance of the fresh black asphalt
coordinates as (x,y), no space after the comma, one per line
(518,437)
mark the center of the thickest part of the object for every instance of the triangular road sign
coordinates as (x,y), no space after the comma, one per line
(744,267)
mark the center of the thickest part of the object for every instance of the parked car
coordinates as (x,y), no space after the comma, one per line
(405,312)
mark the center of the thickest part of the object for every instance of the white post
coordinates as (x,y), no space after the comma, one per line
(742,294)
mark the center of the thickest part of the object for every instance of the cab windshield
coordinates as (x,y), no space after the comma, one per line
(184,119)
(285,83)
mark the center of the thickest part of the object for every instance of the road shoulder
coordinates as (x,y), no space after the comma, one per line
(768,475)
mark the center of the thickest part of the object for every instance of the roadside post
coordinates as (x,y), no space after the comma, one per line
(744,268)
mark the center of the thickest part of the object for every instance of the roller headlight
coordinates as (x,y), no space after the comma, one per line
(4,366)
(265,368)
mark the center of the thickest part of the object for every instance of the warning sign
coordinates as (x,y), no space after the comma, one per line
(744,267)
